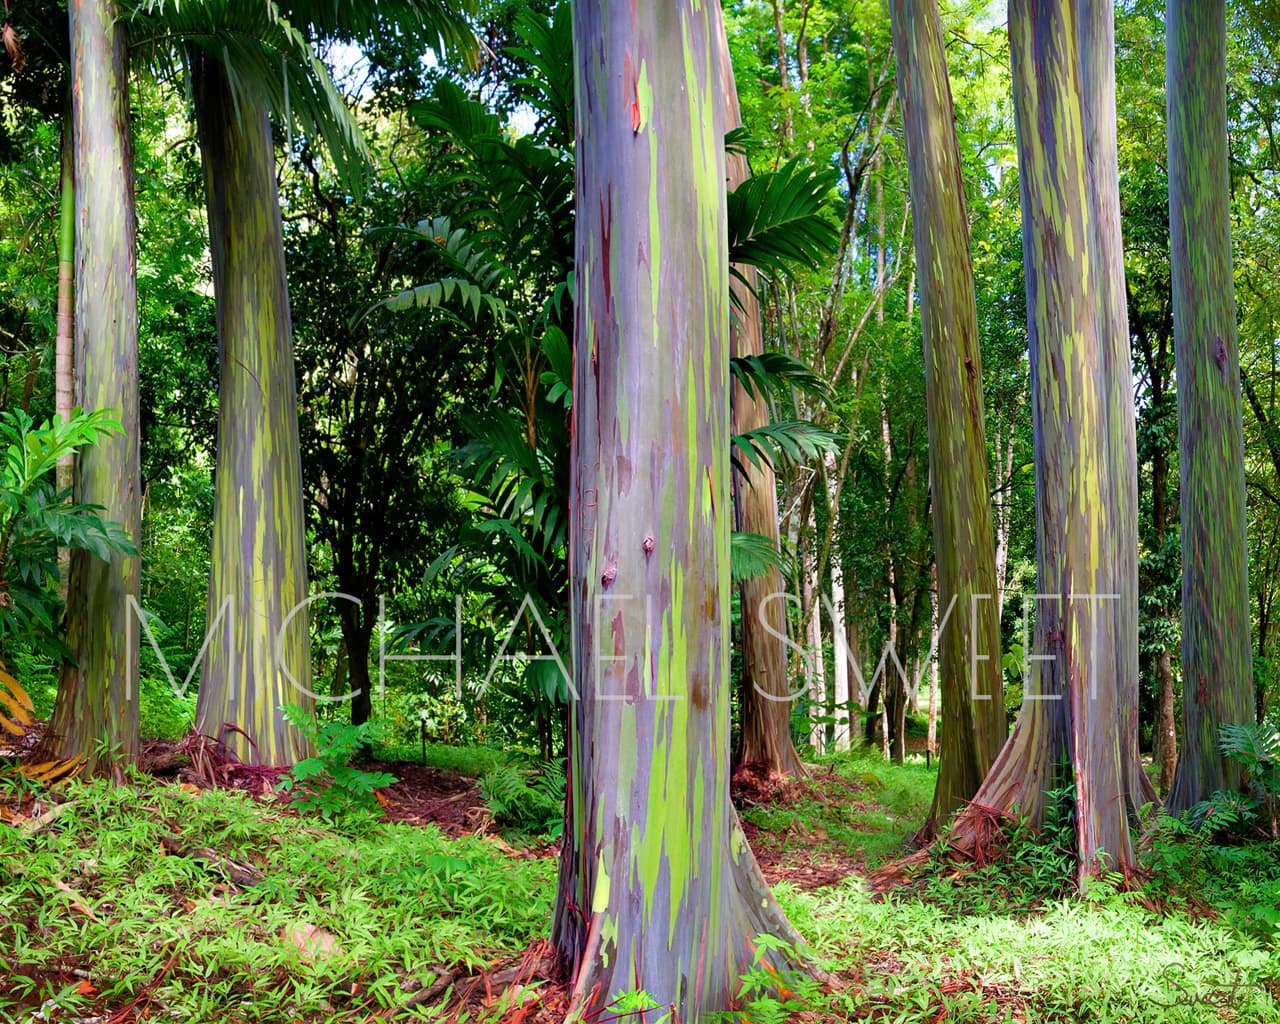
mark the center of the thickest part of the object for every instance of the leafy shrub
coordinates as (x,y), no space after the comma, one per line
(528,801)
(327,784)
(36,519)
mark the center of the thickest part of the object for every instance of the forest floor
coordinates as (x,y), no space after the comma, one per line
(196,893)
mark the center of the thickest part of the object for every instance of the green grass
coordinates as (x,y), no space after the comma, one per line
(473,761)
(95,893)
(871,824)
(93,897)
(1102,960)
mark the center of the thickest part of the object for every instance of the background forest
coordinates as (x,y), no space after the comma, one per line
(415,309)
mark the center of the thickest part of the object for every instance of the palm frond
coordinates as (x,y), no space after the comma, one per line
(753,555)
(789,442)
(778,220)
(548,47)
(268,61)
(474,279)
(440,24)
(775,374)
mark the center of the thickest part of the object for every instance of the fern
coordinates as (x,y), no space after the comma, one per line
(1257,749)
(526,800)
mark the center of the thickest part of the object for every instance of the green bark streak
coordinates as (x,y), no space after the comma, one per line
(971,689)
(657,890)
(96,714)
(1216,659)
(259,543)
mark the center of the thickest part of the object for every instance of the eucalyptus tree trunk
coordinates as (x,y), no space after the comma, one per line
(96,713)
(969,645)
(658,890)
(1216,666)
(64,342)
(1074,711)
(764,695)
(1095,26)
(260,659)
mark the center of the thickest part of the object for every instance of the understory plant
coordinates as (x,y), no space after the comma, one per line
(36,519)
(327,783)
(528,800)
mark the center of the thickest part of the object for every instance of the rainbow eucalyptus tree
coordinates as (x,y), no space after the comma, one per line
(247,59)
(764,695)
(969,646)
(96,713)
(1095,27)
(260,659)
(1216,665)
(658,889)
(1074,711)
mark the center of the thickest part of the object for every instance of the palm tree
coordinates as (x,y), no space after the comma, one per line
(248,59)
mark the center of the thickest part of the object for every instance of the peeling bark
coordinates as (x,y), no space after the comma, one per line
(658,889)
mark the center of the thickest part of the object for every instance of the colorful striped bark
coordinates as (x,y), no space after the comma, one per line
(658,888)
(1216,660)
(1095,25)
(974,727)
(64,342)
(1073,711)
(260,657)
(764,695)
(96,714)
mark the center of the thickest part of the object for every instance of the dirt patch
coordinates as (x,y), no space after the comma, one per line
(420,796)
(433,796)
(806,857)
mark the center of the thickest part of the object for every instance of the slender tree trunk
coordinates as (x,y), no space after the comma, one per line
(658,890)
(934,682)
(357,637)
(1074,712)
(261,661)
(893,691)
(765,692)
(1165,734)
(63,374)
(1003,518)
(812,604)
(1217,683)
(784,74)
(64,341)
(96,713)
(840,668)
(871,719)
(969,647)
